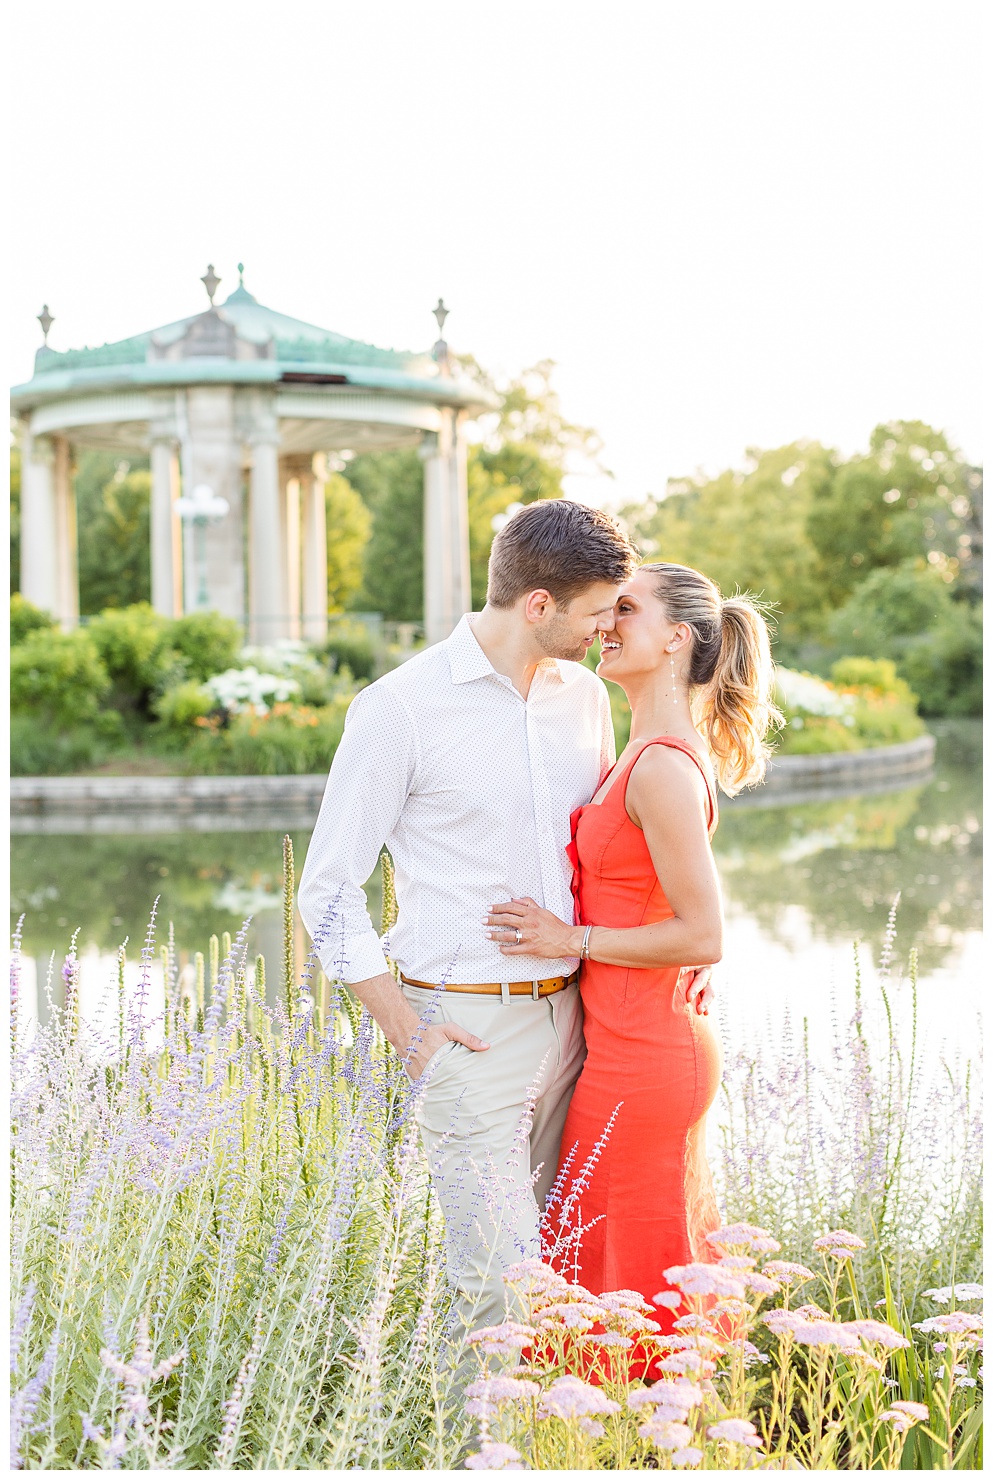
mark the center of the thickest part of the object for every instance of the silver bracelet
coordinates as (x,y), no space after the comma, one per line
(584,954)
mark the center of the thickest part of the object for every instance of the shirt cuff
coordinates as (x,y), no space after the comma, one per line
(355,960)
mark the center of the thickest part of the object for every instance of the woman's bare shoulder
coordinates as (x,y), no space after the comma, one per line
(664,779)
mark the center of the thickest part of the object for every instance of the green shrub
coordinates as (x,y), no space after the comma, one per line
(352,649)
(134,643)
(291,740)
(816,735)
(876,674)
(207,642)
(907,613)
(39,749)
(25,618)
(57,678)
(179,708)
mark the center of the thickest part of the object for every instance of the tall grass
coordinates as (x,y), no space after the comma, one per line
(226,1253)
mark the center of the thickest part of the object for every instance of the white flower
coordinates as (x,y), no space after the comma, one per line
(736,1431)
(787,1273)
(666,1434)
(240,689)
(838,1240)
(914,1410)
(669,1299)
(688,1455)
(496,1340)
(812,695)
(961,1292)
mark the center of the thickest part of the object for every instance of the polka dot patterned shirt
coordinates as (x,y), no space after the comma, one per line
(470,787)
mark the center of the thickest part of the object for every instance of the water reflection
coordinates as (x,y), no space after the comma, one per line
(823,871)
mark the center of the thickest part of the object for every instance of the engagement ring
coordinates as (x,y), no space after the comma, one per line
(518,934)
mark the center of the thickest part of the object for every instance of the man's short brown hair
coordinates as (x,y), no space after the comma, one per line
(560,547)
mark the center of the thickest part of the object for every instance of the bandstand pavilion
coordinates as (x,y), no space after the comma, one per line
(245,405)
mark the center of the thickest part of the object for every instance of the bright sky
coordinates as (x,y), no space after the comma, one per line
(730,224)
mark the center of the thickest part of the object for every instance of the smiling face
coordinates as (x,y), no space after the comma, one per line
(641,635)
(570,633)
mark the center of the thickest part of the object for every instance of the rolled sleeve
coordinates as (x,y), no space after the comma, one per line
(369,781)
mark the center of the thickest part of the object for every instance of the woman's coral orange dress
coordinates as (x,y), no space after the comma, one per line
(651,1058)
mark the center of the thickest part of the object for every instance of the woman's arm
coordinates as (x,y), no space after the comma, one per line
(667,799)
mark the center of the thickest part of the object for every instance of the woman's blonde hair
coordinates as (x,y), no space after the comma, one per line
(731,672)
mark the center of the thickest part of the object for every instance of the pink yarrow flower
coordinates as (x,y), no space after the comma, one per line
(495,1457)
(668,1299)
(744,1236)
(878,1333)
(688,1456)
(665,1434)
(954,1323)
(705,1279)
(498,1340)
(674,1399)
(787,1273)
(917,1411)
(839,1244)
(570,1397)
(960,1292)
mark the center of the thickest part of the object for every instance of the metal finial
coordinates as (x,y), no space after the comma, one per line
(46,320)
(441,314)
(211,282)
(241,274)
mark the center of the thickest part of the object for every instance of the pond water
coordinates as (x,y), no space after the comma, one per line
(802,883)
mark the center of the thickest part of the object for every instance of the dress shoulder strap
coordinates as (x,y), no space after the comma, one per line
(674,743)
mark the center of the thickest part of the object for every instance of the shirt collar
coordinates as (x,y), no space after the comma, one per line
(468,661)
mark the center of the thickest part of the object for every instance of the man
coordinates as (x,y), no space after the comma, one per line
(466,762)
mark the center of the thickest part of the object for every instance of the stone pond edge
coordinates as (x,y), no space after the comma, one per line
(40,794)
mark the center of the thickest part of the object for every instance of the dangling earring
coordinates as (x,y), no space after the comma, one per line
(672,670)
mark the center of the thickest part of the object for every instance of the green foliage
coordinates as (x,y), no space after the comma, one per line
(291,740)
(15,518)
(349,523)
(179,708)
(207,642)
(25,618)
(910,497)
(112,520)
(57,677)
(38,749)
(391,485)
(350,646)
(134,644)
(908,613)
(748,531)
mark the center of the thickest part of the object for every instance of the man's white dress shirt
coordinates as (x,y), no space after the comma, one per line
(470,787)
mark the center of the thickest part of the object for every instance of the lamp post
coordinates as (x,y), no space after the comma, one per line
(202,508)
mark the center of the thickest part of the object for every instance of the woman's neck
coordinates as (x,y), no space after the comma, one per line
(655,710)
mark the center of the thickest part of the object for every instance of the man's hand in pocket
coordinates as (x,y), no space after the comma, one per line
(427,1041)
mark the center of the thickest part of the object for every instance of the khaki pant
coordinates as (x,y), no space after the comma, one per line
(481,1147)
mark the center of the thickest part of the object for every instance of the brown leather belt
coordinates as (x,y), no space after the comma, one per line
(506,990)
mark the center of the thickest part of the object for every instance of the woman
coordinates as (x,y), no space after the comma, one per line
(699,677)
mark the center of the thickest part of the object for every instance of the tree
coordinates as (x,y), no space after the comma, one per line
(15,519)
(112,521)
(527,448)
(748,531)
(911,495)
(349,524)
(391,485)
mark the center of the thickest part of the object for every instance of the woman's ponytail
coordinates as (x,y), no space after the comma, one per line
(731,672)
(736,709)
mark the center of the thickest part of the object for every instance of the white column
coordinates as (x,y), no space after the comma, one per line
(266,558)
(212,456)
(39,565)
(315,552)
(166,534)
(67,562)
(446,529)
(437,544)
(458,492)
(294,472)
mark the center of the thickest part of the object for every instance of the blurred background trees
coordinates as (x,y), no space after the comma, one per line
(875,555)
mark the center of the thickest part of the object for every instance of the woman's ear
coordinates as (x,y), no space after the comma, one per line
(679,637)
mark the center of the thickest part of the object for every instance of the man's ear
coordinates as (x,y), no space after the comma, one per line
(538,604)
